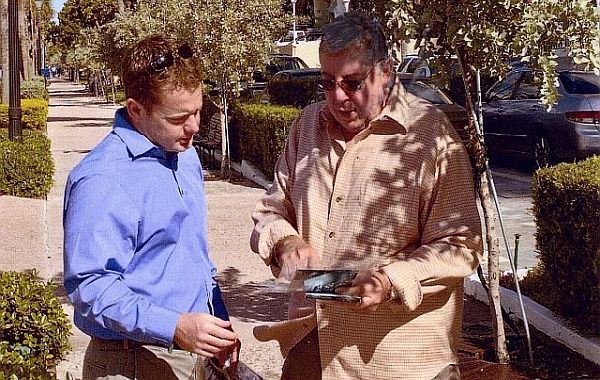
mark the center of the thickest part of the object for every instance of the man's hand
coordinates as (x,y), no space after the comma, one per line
(205,334)
(228,359)
(372,285)
(291,253)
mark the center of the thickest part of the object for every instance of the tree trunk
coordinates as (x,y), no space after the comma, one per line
(225,159)
(4,49)
(26,45)
(477,152)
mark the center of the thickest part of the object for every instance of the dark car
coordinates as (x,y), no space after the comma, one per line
(516,123)
(277,63)
(293,87)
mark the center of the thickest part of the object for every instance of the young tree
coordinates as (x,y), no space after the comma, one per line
(484,35)
(232,37)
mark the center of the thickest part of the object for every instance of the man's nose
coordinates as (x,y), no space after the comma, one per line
(338,94)
(192,124)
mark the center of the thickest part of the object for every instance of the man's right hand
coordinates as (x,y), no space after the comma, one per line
(204,334)
(293,253)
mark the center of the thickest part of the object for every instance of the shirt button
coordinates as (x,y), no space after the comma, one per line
(321,306)
(338,199)
(331,234)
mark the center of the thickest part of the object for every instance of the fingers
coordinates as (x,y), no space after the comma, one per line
(369,286)
(204,334)
(297,255)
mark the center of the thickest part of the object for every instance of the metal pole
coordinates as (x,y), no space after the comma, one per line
(39,40)
(14,105)
(294,26)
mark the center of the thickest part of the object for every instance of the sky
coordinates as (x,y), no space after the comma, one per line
(57,6)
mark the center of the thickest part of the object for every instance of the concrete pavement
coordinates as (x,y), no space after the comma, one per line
(31,230)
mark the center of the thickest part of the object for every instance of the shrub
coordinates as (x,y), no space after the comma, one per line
(26,167)
(263,133)
(34,88)
(295,91)
(34,329)
(35,114)
(566,205)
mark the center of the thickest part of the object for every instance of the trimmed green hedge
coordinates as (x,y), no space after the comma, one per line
(297,92)
(34,329)
(566,204)
(263,133)
(26,167)
(35,114)
(34,88)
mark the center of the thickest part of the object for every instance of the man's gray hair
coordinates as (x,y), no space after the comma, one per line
(357,32)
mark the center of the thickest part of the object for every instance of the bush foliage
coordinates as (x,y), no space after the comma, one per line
(34,329)
(297,91)
(566,204)
(26,168)
(35,114)
(263,133)
(34,88)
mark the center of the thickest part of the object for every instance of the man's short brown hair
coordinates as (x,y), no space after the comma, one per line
(145,84)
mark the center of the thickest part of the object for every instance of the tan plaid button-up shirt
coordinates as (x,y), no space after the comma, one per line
(398,196)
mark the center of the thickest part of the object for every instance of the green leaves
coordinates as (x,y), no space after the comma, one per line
(26,170)
(34,329)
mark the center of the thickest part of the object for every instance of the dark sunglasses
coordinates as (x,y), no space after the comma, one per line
(348,85)
(166,60)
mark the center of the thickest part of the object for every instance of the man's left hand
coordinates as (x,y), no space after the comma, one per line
(372,285)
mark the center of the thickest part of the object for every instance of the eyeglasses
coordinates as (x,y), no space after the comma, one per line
(348,85)
(166,60)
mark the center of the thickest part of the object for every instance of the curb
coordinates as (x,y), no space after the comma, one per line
(543,319)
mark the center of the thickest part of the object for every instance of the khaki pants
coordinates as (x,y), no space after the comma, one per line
(303,362)
(119,360)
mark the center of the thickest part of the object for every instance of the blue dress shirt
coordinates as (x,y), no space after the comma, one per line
(135,239)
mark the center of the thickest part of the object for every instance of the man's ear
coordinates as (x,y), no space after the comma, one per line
(387,66)
(135,110)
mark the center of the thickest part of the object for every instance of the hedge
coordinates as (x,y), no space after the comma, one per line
(26,168)
(34,329)
(263,133)
(34,88)
(297,91)
(566,205)
(35,114)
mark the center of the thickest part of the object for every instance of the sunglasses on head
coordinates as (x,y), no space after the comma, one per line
(166,60)
(348,85)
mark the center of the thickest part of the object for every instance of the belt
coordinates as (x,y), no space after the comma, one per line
(128,343)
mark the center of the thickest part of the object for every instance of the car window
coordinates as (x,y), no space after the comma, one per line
(580,83)
(422,90)
(504,89)
(529,88)
(415,64)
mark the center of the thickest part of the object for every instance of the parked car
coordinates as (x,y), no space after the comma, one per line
(414,67)
(277,63)
(515,122)
(293,87)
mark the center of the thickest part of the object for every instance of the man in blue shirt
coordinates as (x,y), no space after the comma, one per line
(136,258)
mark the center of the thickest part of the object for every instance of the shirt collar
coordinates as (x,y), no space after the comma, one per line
(137,144)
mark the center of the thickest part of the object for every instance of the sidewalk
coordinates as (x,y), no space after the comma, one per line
(31,232)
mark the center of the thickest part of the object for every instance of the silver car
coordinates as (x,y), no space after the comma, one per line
(516,123)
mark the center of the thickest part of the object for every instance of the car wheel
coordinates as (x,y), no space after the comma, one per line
(542,152)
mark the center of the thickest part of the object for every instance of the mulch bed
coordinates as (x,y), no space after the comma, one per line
(552,360)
